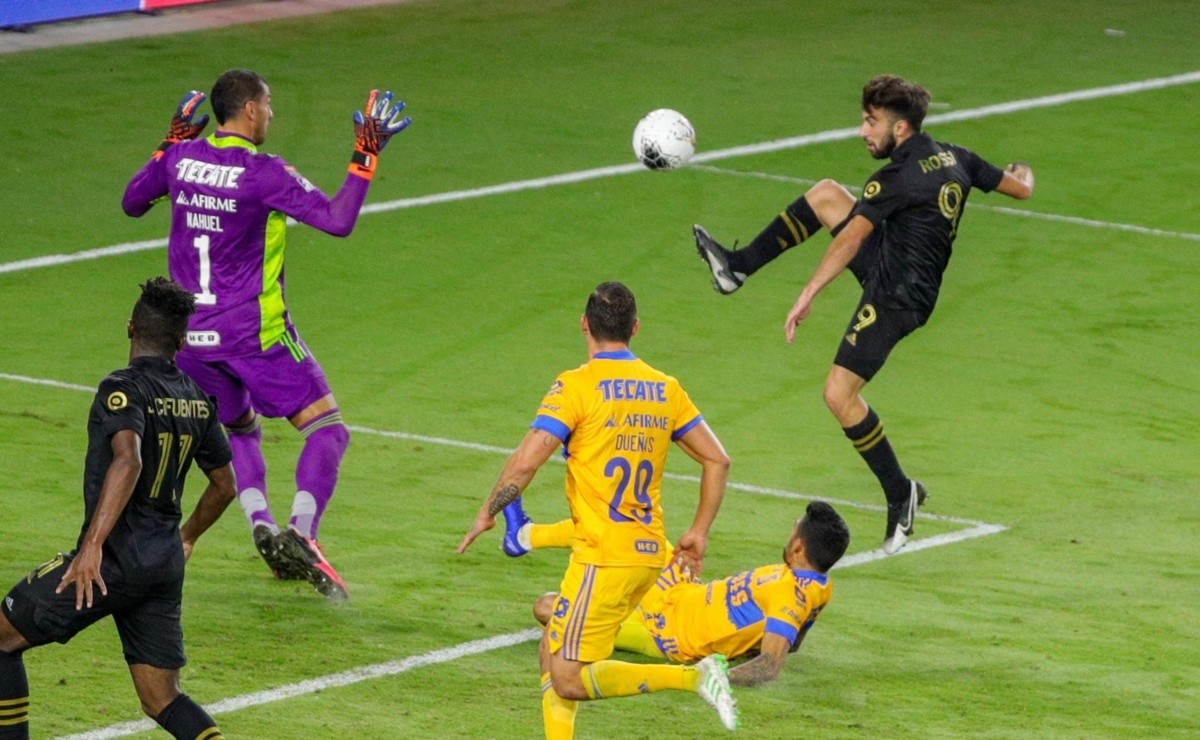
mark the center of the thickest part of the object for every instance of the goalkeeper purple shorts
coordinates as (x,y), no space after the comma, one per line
(278,383)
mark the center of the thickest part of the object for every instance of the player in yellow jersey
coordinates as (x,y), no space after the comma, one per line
(762,613)
(615,417)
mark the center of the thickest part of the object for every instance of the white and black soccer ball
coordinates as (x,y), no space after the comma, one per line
(664,140)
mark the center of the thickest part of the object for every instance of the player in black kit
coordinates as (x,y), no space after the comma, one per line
(896,239)
(148,423)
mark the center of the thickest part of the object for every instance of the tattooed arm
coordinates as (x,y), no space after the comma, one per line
(766,666)
(534,451)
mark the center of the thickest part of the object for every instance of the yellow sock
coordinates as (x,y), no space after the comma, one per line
(635,638)
(607,679)
(559,534)
(558,714)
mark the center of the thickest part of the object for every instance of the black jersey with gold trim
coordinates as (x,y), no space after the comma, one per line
(177,423)
(915,204)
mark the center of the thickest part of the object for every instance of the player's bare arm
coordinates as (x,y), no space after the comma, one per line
(841,250)
(1017,182)
(533,452)
(216,497)
(122,475)
(765,666)
(702,445)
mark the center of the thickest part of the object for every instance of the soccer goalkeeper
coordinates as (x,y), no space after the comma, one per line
(229,204)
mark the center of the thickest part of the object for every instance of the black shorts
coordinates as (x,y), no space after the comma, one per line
(147,617)
(871,335)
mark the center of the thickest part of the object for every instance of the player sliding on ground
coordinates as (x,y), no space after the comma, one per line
(615,417)
(762,614)
(896,241)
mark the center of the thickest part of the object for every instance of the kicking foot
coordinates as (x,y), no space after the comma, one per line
(901,517)
(724,279)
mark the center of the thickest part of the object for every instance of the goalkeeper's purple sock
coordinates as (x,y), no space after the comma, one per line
(251,471)
(325,442)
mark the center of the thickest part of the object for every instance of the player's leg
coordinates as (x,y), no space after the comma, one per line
(286,381)
(543,606)
(634,637)
(244,427)
(869,338)
(558,714)
(174,711)
(826,204)
(522,534)
(325,441)
(14,683)
(587,616)
(151,632)
(32,614)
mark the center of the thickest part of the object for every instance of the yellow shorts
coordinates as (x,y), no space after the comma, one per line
(593,601)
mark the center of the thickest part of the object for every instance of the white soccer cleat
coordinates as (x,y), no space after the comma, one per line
(900,519)
(714,688)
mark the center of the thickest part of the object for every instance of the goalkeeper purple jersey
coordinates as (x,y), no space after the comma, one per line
(228,217)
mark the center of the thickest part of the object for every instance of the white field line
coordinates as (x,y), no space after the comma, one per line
(454,652)
(794,142)
(333,680)
(974,205)
(43,381)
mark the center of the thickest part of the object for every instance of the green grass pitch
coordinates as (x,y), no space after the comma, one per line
(1053,393)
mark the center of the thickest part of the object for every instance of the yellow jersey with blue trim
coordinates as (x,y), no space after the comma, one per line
(616,417)
(731,616)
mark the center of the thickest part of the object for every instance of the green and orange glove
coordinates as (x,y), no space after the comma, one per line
(374,127)
(183,127)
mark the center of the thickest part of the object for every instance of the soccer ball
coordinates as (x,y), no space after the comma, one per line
(664,140)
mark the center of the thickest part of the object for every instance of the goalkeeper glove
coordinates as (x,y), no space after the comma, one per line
(374,127)
(182,125)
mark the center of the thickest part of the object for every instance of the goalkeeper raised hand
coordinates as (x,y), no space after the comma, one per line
(374,127)
(183,127)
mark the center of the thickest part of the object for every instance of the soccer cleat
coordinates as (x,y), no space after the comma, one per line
(303,559)
(713,688)
(264,541)
(724,279)
(514,520)
(900,518)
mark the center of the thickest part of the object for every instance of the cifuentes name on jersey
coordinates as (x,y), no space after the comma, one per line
(207,173)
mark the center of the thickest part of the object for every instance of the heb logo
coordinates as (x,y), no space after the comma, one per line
(646,547)
(204,338)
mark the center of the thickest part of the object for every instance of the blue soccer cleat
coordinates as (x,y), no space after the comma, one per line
(514,520)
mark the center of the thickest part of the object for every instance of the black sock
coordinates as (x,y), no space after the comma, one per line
(873,445)
(796,223)
(184,718)
(14,697)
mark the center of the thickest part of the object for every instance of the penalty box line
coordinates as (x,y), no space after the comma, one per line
(794,142)
(970,524)
(974,206)
(972,529)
